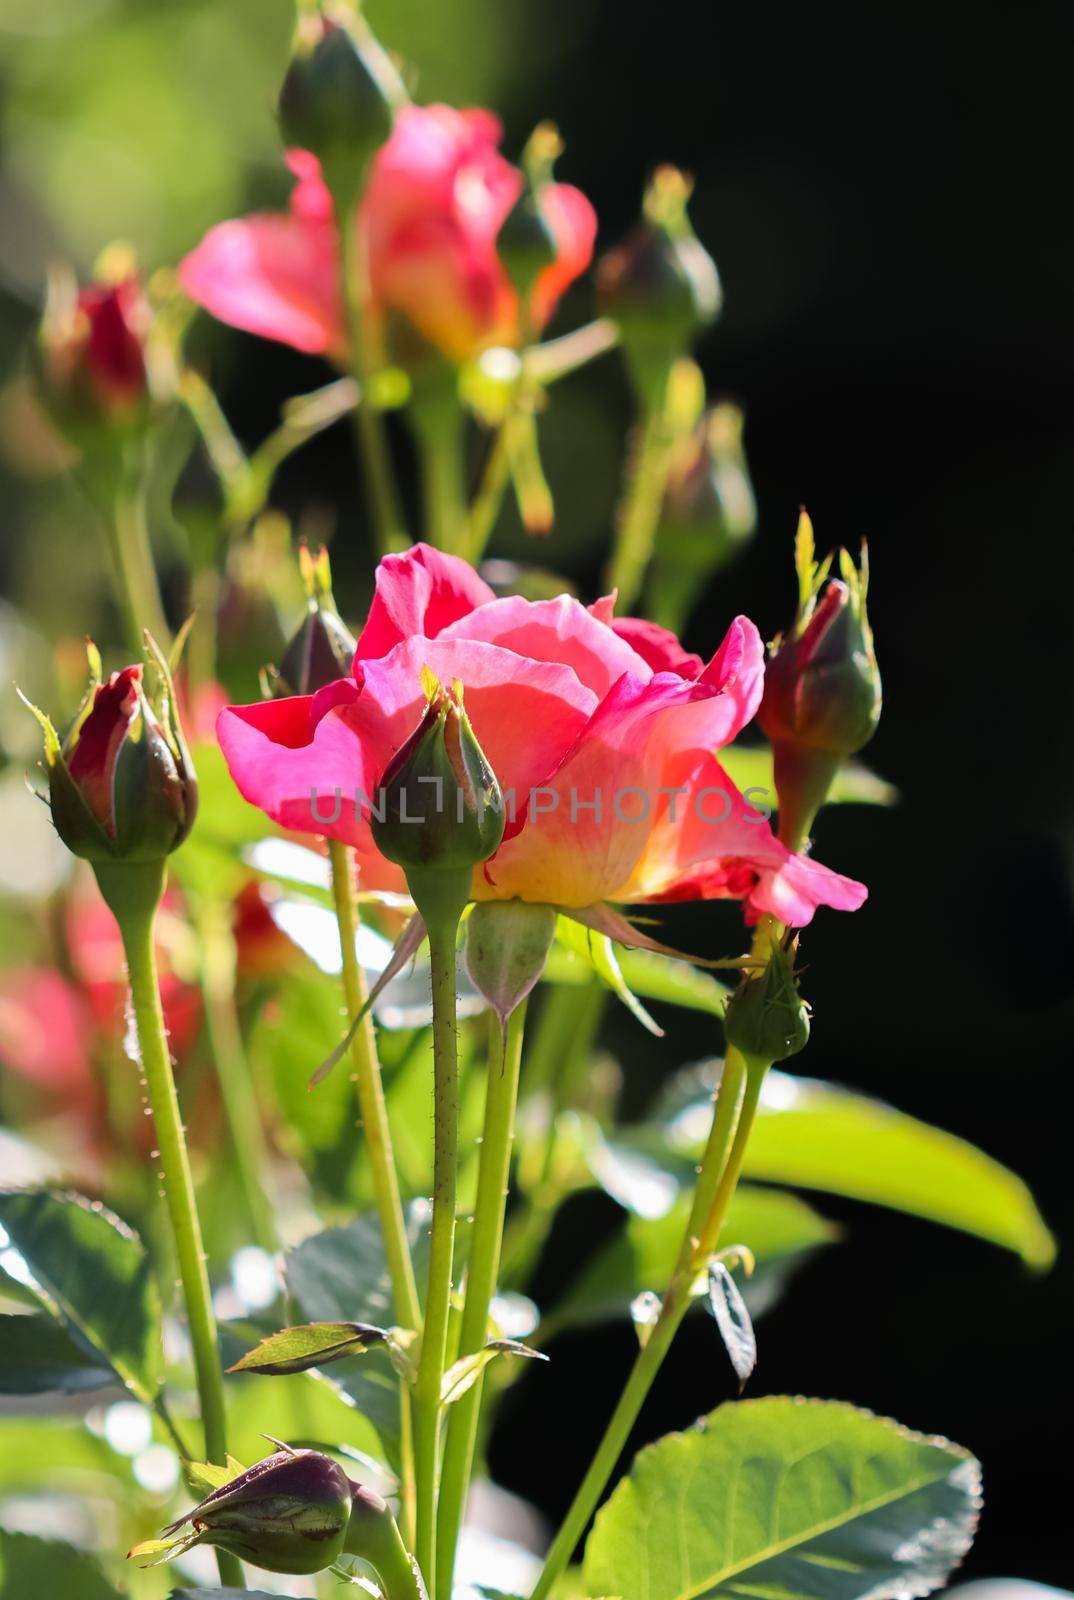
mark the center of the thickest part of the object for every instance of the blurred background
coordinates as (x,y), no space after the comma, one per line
(888,197)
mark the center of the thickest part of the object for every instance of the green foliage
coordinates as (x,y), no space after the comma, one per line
(39,1356)
(778,1230)
(815,1135)
(314,1344)
(798,1498)
(750,767)
(91,1274)
(33,1569)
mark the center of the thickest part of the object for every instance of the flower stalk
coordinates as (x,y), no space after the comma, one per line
(442,911)
(482,1272)
(133,892)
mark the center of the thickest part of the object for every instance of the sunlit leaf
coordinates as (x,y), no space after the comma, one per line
(598,953)
(464,1373)
(750,767)
(313,1344)
(804,1499)
(816,1135)
(90,1272)
(733,1321)
(780,1231)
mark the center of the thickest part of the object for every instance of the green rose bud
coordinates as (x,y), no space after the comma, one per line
(441,803)
(660,285)
(507,944)
(323,648)
(122,786)
(339,98)
(289,1513)
(766,1018)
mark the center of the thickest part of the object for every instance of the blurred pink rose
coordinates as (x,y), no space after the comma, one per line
(438,194)
(604,732)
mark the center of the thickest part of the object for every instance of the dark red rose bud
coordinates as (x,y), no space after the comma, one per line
(822,695)
(289,1513)
(121,785)
(93,351)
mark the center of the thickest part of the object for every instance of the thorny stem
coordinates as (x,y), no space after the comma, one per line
(482,1271)
(442,920)
(378,1139)
(133,892)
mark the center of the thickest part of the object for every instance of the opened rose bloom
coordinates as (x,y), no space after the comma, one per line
(602,734)
(438,194)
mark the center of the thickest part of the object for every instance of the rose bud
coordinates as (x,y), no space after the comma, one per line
(822,695)
(766,1018)
(93,351)
(289,1513)
(122,786)
(322,650)
(339,98)
(441,806)
(660,285)
(709,513)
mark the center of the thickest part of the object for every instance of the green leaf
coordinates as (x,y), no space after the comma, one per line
(302,1026)
(800,1499)
(340,1275)
(778,1229)
(39,1356)
(36,1569)
(817,1135)
(750,767)
(464,1373)
(90,1271)
(733,1320)
(313,1344)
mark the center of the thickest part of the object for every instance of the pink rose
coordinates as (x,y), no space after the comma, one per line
(602,735)
(438,194)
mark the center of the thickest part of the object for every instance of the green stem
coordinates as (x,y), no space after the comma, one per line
(241,1110)
(437,419)
(138,574)
(441,912)
(482,1271)
(485,506)
(133,892)
(639,516)
(717,1178)
(389,529)
(378,1139)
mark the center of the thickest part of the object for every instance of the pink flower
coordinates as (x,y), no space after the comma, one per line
(438,194)
(603,745)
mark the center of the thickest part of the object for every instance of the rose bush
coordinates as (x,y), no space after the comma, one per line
(604,732)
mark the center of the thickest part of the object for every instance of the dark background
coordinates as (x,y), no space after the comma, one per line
(888,193)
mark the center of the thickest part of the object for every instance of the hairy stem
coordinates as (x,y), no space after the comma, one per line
(378,1139)
(443,930)
(482,1271)
(133,892)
